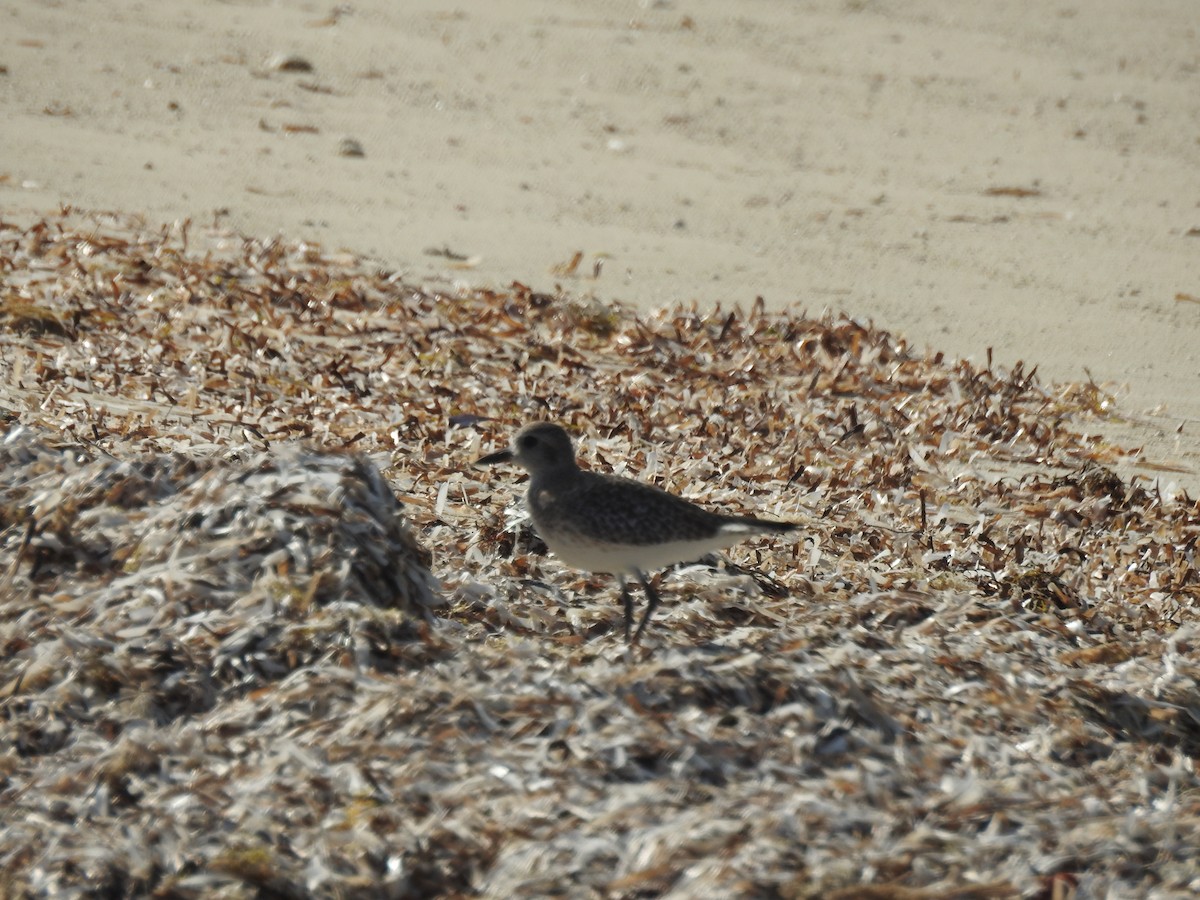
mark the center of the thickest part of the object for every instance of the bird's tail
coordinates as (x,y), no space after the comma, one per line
(750,525)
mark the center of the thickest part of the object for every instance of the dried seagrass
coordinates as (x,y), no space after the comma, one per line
(974,676)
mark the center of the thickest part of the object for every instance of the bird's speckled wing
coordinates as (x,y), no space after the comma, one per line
(610,509)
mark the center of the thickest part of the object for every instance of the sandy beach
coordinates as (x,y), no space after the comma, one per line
(266,630)
(1019,178)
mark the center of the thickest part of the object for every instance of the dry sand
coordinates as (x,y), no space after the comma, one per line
(1023,177)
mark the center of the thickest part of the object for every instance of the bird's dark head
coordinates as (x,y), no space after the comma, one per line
(541,447)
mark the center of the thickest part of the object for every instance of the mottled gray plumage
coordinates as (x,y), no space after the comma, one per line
(604,523)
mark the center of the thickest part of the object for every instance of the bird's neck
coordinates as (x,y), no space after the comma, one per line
(549,477)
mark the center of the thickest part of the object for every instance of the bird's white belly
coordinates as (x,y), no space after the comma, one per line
(593,556)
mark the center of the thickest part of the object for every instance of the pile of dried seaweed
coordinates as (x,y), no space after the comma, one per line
(227,670)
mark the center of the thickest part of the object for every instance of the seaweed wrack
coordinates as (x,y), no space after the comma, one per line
(974,677)
(170,580)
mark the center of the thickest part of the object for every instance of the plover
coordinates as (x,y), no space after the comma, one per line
(605,523)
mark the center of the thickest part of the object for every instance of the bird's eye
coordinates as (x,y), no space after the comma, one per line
(527,441)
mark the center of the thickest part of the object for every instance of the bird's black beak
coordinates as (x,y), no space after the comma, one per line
(492,458)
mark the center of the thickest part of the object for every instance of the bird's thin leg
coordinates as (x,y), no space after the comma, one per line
(651,604)
(628,601)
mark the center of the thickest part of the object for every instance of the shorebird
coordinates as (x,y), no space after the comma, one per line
(605,523)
